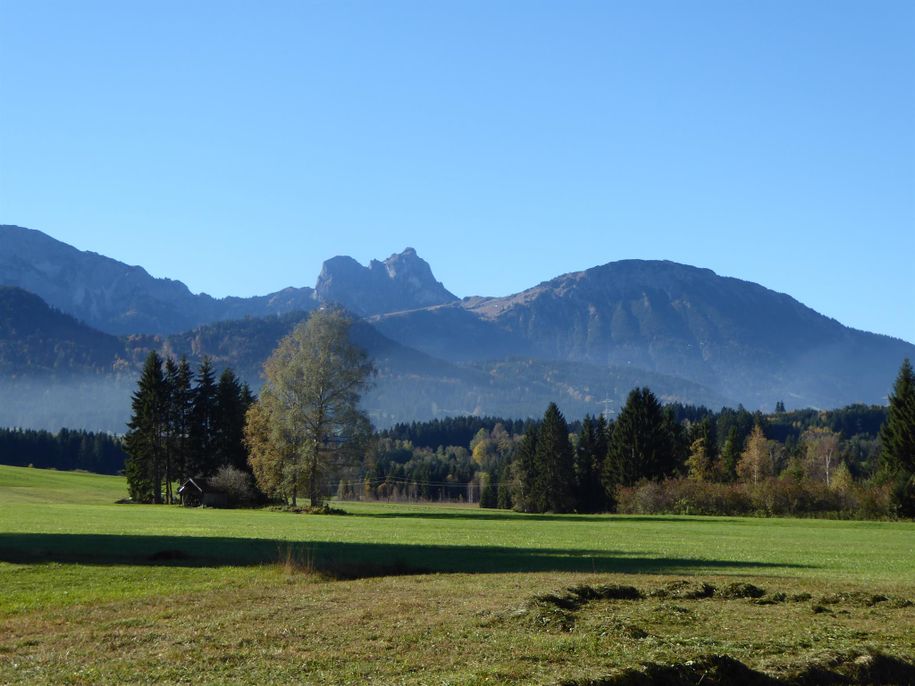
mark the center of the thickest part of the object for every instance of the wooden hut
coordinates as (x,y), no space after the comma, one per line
(196,492)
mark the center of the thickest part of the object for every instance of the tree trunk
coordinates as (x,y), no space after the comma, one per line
(314,491)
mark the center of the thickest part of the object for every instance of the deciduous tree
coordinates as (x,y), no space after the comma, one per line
(309,405)
(755,461)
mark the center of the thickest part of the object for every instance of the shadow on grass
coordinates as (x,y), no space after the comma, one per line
(506,515)
(342,560)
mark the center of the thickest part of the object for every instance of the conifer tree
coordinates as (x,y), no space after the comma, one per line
(230,407)
(642,445)
(897,435)
(202,456)
(171,437)
(146,436)
(590,495)
(897,439)
(524,471)
(554,465)
(181,406)
(730,455)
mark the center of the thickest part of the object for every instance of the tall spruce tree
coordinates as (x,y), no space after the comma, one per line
(897,435)
(181,408)
(641,446)
(590,452)
(524,470)
(145,441)
(231,404)
(897,440)
(554,465)
(171,429)
(202,451)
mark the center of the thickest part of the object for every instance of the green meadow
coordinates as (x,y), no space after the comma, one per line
(100,592)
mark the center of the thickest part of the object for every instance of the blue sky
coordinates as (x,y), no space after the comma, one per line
(235,146)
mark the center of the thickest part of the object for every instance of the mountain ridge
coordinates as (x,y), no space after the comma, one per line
(742,342)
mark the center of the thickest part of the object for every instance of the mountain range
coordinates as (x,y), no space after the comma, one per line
(75,326)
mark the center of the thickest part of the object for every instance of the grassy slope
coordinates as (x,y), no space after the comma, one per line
(167,585)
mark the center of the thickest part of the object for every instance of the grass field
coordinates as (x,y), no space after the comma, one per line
(99,592)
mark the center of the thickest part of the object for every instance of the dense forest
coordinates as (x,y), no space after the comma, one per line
(93,452)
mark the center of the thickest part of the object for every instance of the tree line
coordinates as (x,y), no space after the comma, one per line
(183,425)
(726,463)
(65,450)
(307,435)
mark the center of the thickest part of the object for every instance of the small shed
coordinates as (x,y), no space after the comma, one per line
(197,491)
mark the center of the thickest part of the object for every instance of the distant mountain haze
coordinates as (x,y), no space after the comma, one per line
(580,339)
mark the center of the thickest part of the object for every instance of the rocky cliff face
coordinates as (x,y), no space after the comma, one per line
(404,281)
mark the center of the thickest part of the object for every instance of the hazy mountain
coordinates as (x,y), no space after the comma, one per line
(38,341)
(580,338)
(402,282)
(95,392)
(118,298)
(742,340)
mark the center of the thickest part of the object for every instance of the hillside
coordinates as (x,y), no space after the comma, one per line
(39,341)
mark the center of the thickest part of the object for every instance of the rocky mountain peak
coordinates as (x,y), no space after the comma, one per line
(404,281)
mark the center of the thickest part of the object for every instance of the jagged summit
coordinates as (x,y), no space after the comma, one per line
(404,281)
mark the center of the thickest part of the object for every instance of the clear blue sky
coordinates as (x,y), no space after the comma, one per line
(236,145)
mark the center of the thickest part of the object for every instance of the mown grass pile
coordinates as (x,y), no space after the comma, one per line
(96,592)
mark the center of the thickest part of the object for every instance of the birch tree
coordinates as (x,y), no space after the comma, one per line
(309,405)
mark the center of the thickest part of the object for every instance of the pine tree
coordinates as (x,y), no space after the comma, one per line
(897,440)
(504,493)
(171,436)
(730,455)
(229,422)
(525,474)
(554,465)
(181,407)
(590,495)
(642,443)
(897,435)
(202,454)
(146,435)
